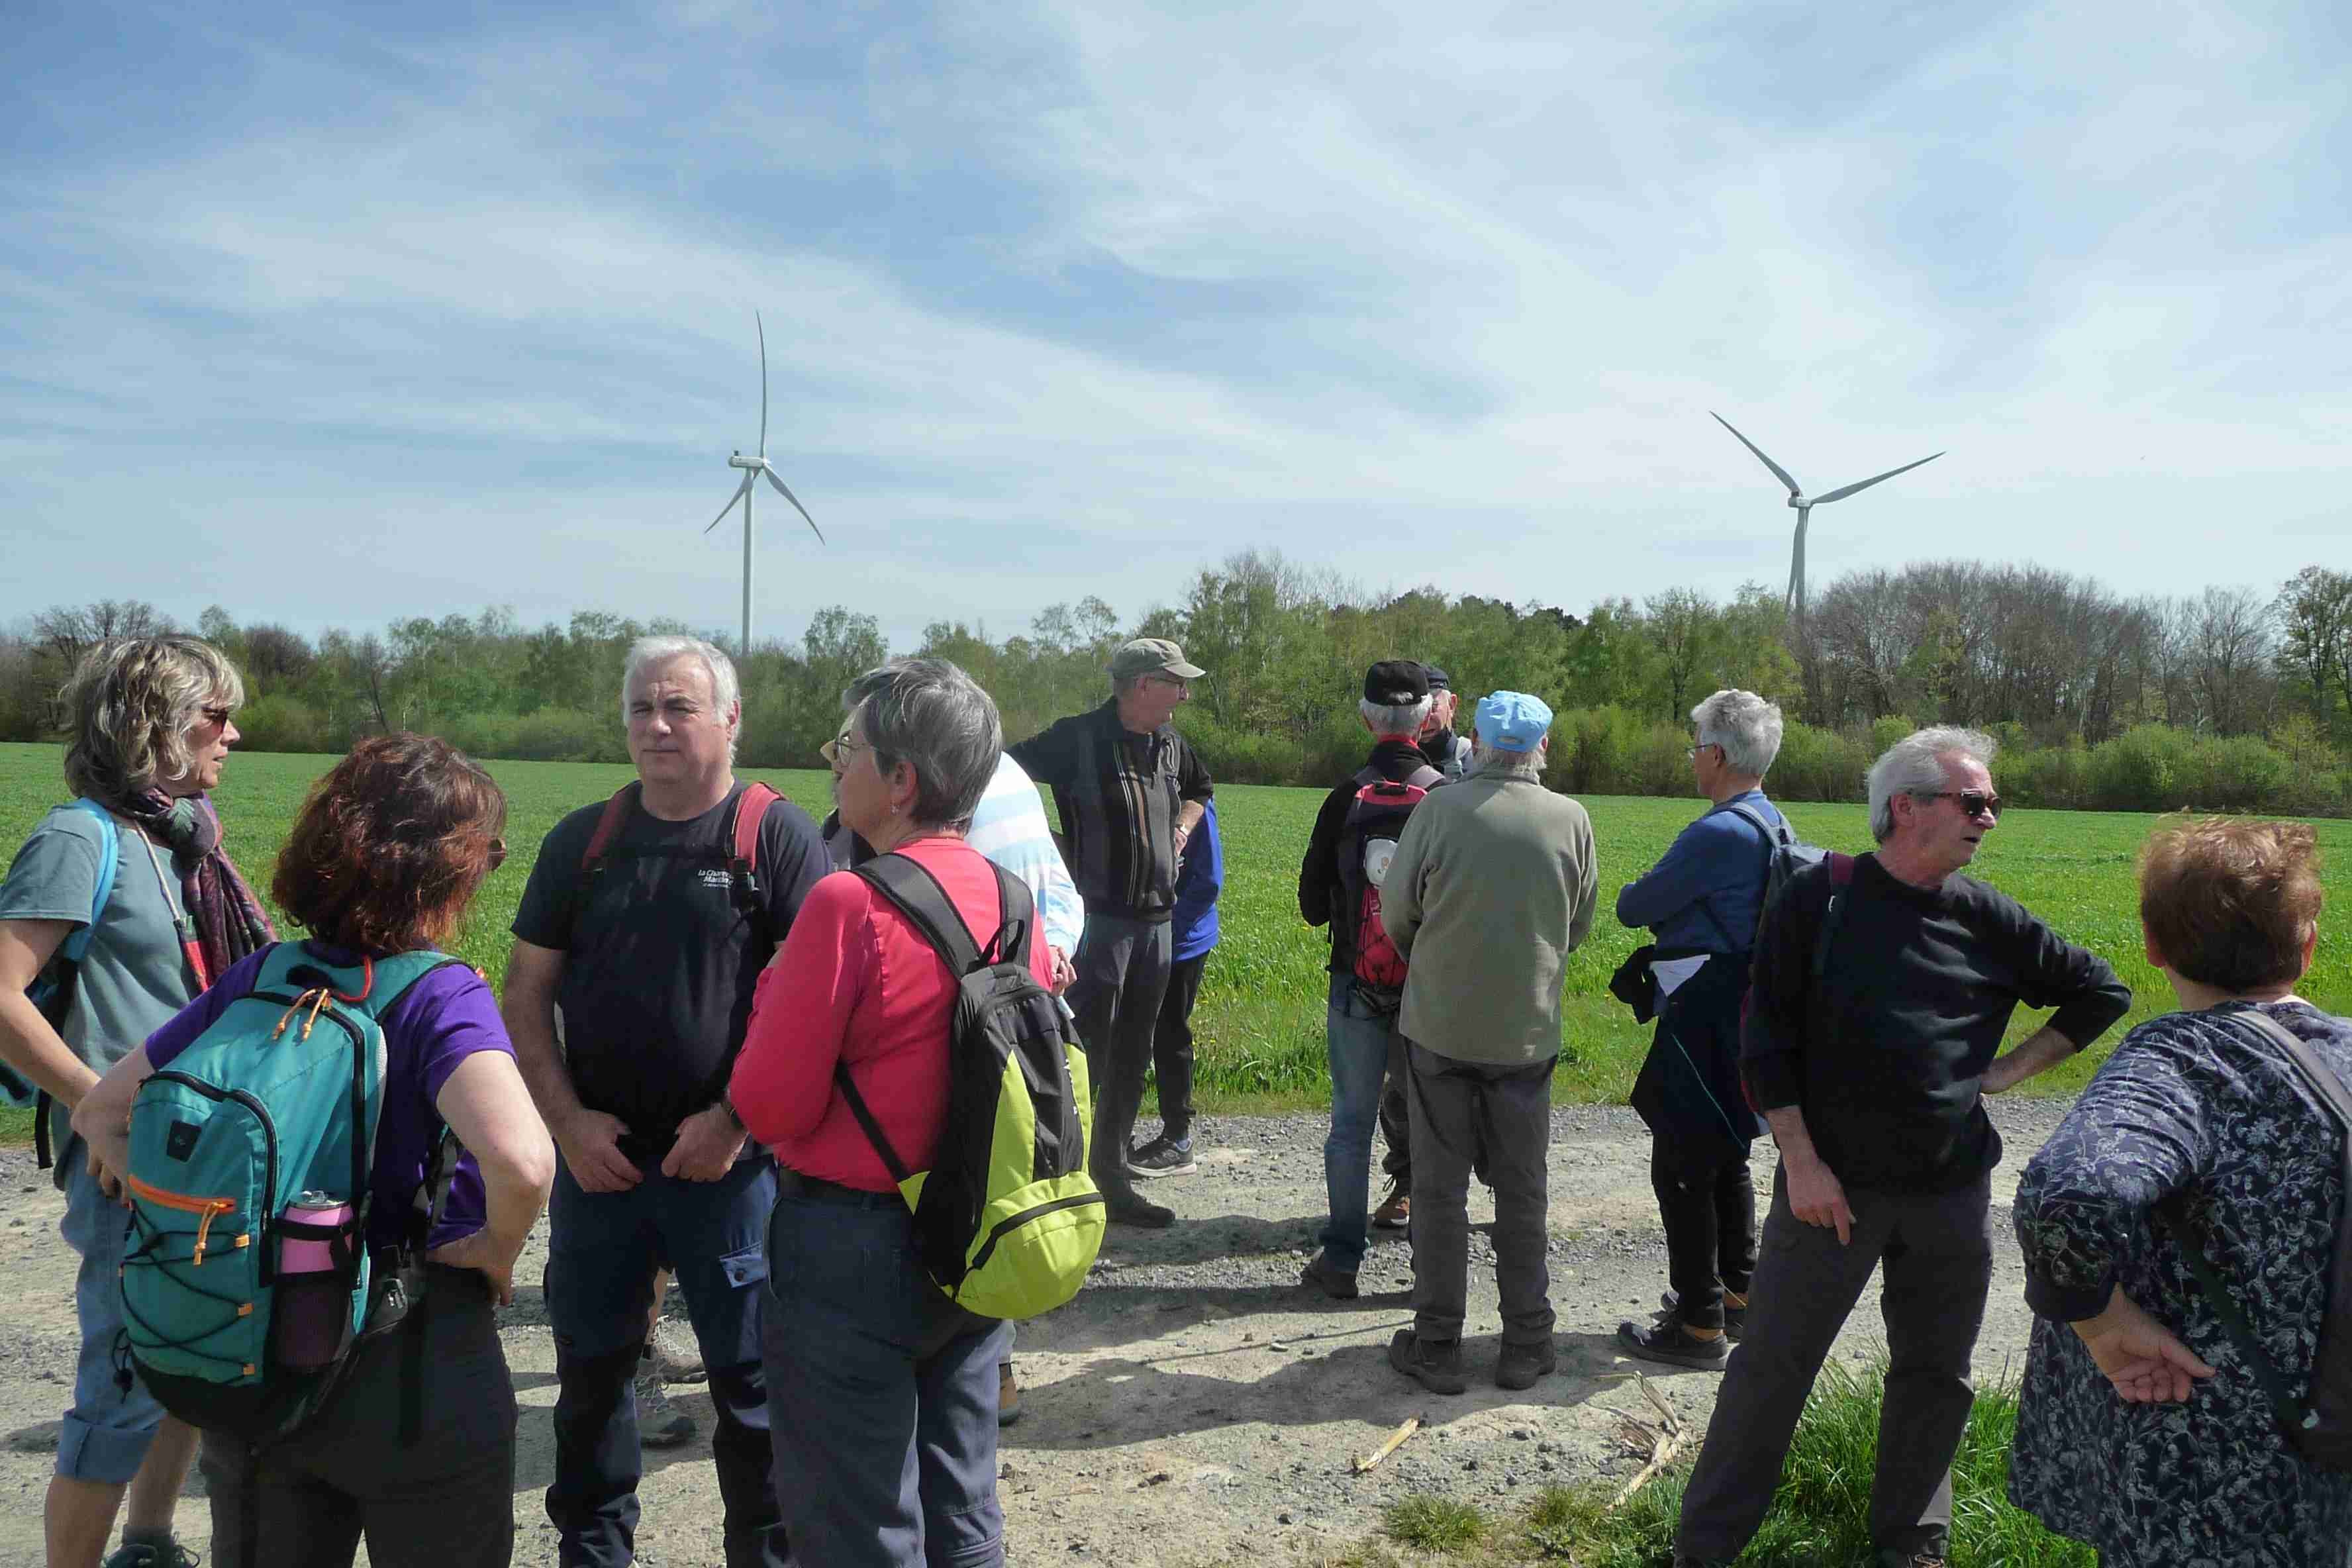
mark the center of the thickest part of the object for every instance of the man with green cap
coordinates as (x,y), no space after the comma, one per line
(1130,792)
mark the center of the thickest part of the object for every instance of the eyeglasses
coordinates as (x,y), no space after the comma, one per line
(833,751)
(216,715)
(1973,802)
(1178,681)
(498,852)
(1691,753)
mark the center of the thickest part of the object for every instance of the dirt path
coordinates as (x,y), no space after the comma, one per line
(1193,1406)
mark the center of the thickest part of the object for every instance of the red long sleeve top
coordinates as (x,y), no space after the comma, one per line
(855,983)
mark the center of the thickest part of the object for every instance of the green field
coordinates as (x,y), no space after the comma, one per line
(1260,1019)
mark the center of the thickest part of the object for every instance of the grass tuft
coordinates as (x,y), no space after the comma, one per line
(1434,1523)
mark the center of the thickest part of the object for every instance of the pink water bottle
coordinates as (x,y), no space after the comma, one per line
(312,1307)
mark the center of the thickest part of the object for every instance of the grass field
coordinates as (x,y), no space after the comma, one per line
(1260,1018)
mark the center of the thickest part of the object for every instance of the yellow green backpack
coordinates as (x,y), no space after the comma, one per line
(1007,1221)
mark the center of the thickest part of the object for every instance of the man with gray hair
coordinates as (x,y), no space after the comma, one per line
(1130,792)
(1494,884)
(1702,901)
(1881,988)
(1340,885)
(647,920)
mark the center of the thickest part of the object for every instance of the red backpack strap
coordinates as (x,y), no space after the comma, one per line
(1840,869)
(751,811)
(608,826)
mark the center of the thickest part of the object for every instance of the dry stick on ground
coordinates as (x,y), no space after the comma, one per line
(1666,1440)
(1395,1441)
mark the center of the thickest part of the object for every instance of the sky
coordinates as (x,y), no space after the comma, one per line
(339,315)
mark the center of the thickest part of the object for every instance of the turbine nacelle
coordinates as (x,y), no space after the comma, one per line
(738,460)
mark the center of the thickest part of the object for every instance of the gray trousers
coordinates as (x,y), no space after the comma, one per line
(1122,968)
(1456,1107)
(1938,1252)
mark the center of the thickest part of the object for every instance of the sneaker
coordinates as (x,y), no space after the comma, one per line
(660,1423)
(1395,1212)
(1520,1365)
(1671,1343)
(145,1554)
(1735,1318)
(1328,1276)
(1437,1368)
(1128,1208)
(1162,1157)
(677,1353)
(1008,1396)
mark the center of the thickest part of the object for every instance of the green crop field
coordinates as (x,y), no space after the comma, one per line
(1260,1018)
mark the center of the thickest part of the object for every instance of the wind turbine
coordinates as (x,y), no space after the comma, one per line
(752,468)
(1804,505)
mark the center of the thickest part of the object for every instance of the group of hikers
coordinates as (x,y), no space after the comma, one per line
(732,1041)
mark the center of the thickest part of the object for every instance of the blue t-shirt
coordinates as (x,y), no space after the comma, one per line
(445,1018)
(1199,877)
(1707,891)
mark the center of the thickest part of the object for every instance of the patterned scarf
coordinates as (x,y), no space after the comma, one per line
(227,919)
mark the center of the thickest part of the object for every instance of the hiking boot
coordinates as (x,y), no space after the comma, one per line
(146,1555)
(1396,1209)
(1008,1396)
(660,1423)
(1437,1368)
(1163,1157)
(1129,1208)
(1735,1318)
(1328,1276)
(677,1353)
(1520,1365)
(1676,1345)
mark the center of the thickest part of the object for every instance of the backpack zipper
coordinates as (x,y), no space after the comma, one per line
(264,1221)
(209,1209)
(980,1259)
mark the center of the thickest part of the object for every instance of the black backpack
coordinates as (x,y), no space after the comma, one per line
(1785,855)
(2319,1425)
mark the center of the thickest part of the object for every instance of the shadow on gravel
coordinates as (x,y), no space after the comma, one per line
(1125,1400)
(1108,1315)
(1213,1240)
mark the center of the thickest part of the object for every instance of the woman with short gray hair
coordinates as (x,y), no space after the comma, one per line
(151,726)
(857,1335)
(1914,765)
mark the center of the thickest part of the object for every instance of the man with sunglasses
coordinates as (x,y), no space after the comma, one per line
(1130,793)
(1882,987)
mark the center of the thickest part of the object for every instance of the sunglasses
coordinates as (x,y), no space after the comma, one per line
(498,852)
(835,751)
(216,715)
(1973,802)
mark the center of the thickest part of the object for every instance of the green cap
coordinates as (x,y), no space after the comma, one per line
(1152,656)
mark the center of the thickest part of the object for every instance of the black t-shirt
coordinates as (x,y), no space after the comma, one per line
(659,963)
(1886,1053)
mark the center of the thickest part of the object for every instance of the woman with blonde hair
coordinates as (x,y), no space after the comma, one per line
(150,724)
(2200,1148)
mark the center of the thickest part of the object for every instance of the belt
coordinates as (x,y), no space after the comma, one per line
(791,1183)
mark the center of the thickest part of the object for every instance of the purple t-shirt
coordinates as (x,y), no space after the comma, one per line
(445,1018)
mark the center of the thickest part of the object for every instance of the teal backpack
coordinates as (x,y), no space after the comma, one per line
(52,990)
(239,1316)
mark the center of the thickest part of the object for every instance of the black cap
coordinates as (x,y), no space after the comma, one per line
(1395,680)
(1438,680)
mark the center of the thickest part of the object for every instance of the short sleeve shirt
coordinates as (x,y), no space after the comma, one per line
(134,976)
(441,1020)
(659,962)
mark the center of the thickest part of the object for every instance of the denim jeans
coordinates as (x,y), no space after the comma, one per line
(602,1249)
(883,1392)
(1361,1037)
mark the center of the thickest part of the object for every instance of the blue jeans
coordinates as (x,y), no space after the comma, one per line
(105,1436)
(1363,1037)
(603,1249)
(882,1392)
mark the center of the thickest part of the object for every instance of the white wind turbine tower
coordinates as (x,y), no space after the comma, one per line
(1804,505)
(752,468)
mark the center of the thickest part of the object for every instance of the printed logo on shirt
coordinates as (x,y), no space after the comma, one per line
(713,876)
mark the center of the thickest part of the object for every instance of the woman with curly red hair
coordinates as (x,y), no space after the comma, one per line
(386,856)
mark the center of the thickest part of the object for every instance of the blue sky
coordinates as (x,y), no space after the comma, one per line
(338,317)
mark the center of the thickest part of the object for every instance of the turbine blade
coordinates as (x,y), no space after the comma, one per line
(762,326)
(740,492)
(1779,472)
(1842,494)
(795,500)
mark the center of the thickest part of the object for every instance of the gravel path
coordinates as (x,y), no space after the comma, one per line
(1195,1406)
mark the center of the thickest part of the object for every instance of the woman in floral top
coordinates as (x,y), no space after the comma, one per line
(2142,1429)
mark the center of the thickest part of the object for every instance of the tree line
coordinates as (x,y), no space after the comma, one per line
(2231,697)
